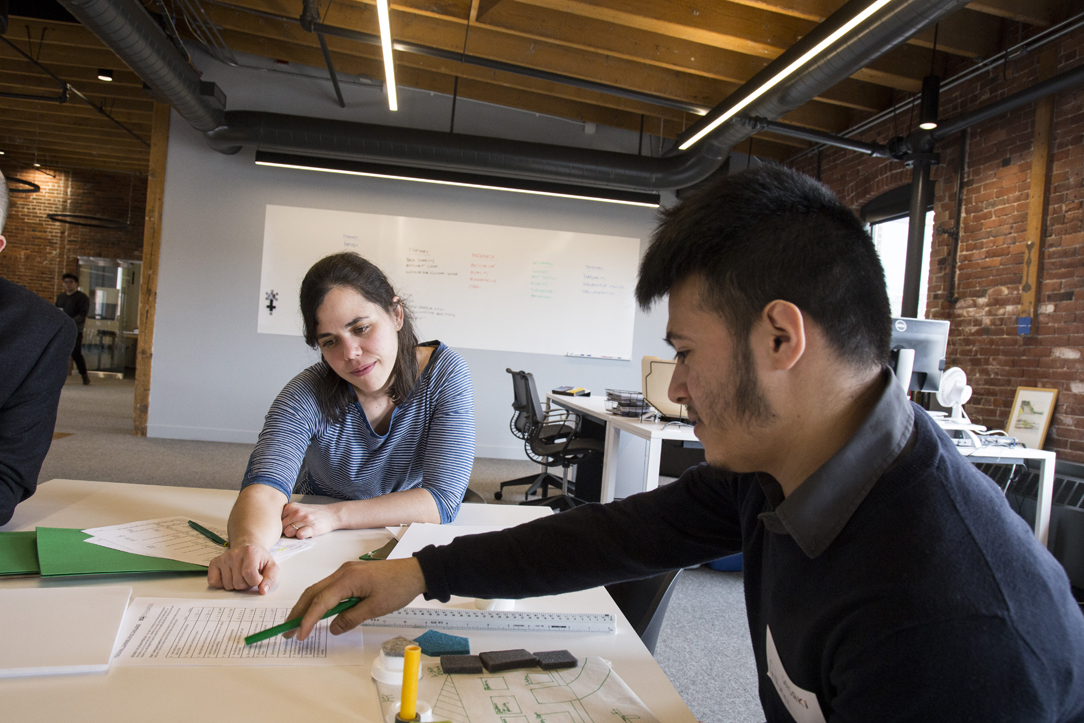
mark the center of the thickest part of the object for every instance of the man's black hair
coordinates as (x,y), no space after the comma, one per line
(772,233)
(73,277)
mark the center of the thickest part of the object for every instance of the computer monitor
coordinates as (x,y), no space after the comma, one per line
(929,340)
(656,376)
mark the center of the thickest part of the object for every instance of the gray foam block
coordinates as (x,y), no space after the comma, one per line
(460,664)
(556,660)
(498,660)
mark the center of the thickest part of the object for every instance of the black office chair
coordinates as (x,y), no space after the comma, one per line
(550,439)
(643,603)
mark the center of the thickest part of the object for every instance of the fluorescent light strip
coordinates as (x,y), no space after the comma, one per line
(385,45)
(458,183)
(779,77)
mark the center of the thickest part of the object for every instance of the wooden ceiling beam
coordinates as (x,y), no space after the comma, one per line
(900,69)
(64,161)
(594,36)
(68,142)
(965,33)
(83,76)
(70,113)
(30,129)
(718,24)
(739,27)
(437,75)
(43,84)
(1042,13)
(487,43)
(56,33)
(46,154)
(119,104)
(59,55)
(1033,12)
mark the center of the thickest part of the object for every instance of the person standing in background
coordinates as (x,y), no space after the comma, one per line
(76,304)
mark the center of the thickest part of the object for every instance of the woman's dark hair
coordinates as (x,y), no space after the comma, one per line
(351,271)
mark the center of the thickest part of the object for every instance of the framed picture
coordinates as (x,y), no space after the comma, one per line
(1032,411)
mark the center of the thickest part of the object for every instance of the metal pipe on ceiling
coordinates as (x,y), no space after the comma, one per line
(125,26)
(759,124)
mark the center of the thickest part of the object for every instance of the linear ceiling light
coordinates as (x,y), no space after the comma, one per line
(385,45)
(456,178)
(785,73)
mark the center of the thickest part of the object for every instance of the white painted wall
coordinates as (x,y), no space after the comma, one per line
(213,377)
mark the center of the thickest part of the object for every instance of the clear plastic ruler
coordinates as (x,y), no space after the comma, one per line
(461,619)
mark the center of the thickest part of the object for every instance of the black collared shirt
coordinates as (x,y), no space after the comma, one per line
(821,505)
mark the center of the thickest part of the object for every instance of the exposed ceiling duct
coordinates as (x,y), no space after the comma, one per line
(125,26)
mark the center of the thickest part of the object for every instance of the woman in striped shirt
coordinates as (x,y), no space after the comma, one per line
(383,423)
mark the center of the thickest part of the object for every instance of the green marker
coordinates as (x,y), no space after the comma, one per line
(296,622)
(207,533)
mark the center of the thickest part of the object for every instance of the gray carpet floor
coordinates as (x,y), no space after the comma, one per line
(704,643)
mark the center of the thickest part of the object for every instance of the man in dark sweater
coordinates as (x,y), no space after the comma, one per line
(886,579)
(75,304)
(35,340)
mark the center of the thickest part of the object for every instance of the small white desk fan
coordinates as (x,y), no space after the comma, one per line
(954,392)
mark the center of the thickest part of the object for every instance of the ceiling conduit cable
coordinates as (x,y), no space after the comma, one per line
(129,30)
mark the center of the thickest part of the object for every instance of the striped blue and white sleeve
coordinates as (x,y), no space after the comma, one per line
(449,452)
(290,425)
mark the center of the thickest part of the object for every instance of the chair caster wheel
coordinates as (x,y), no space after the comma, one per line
(498,495)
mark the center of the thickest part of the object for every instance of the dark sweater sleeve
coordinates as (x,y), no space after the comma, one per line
(27,420)
(688,522)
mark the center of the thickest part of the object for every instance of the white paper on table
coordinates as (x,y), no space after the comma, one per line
(173,539)
(54,631)
(421,534)
(164,632)
(398,531)
(591,691)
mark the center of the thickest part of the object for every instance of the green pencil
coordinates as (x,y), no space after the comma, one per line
(296,622)
(207,533)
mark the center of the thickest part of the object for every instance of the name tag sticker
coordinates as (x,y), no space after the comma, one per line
(802,704)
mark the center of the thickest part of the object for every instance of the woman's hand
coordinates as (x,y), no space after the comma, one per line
(242,568)
(305,521)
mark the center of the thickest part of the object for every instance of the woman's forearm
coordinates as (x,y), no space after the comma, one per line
(395,508)
(256,518)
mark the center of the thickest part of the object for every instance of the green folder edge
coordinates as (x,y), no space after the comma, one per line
(63,552)
(18,553)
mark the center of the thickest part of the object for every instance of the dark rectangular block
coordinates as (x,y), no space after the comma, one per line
(498,660)
(556,660)
(460,664)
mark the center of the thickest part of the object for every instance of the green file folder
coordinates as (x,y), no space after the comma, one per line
(18,553)
(63,552)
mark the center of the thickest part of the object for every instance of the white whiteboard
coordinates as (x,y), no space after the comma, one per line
(470,285)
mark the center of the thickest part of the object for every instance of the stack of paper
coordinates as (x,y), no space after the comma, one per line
(172,538)
(61,630)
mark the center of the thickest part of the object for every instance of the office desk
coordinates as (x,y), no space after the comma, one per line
(616,425)
(327,693)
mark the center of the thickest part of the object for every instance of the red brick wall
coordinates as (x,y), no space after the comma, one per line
(983,340)
(40,251)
